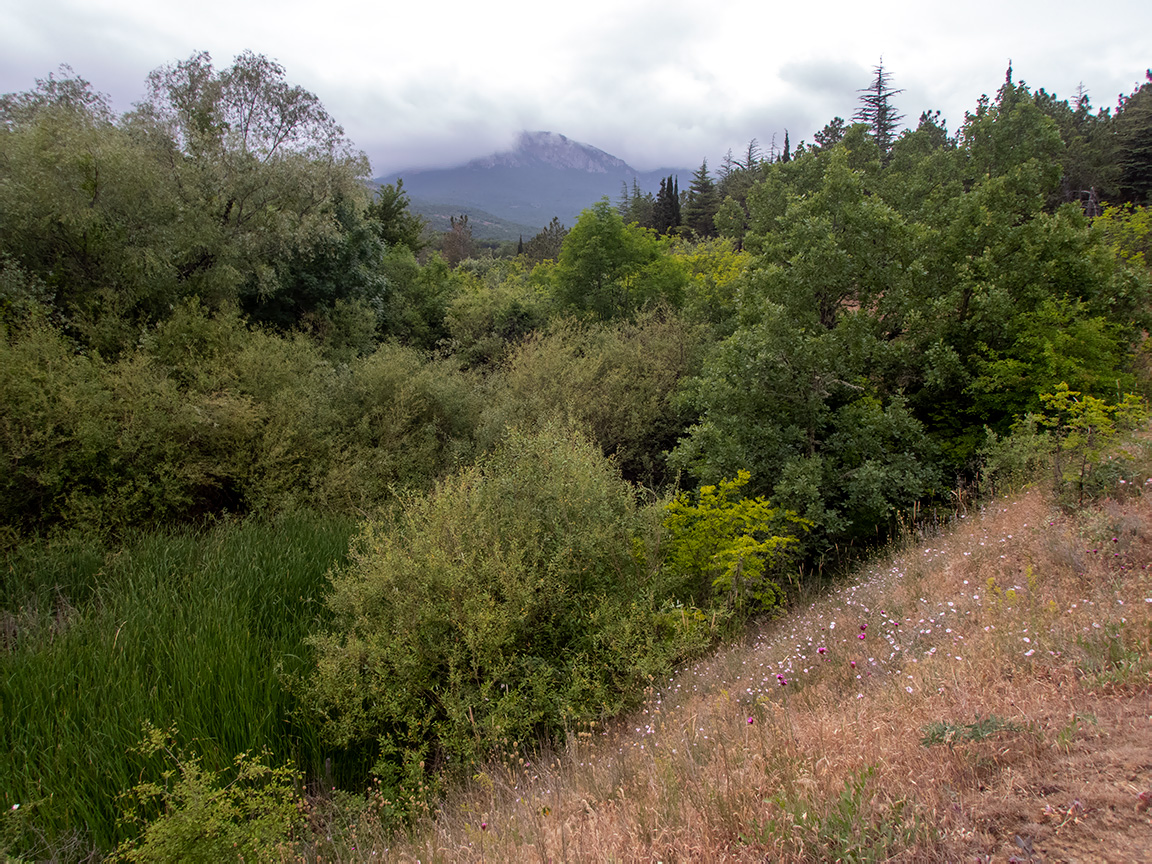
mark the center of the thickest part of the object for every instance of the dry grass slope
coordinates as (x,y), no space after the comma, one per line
(983,695)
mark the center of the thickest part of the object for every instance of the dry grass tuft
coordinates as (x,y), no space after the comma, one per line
(996,708)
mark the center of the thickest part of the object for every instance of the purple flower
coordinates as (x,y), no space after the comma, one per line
(821,650)
(750,721)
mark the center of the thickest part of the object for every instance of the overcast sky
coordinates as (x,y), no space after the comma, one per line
(656,82)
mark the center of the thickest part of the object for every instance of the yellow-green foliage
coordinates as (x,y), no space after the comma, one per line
(522,596)
(715,274)
(1084,427)
(730,543)
(209,414)
(1128,230)
(196,815)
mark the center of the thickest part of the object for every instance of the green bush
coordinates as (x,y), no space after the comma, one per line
(198,815)
(618,380)
(520,597)
(730,547)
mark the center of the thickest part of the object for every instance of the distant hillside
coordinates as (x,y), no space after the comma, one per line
(485,225)
(545,175)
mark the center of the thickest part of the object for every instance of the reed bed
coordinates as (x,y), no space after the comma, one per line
(194,629)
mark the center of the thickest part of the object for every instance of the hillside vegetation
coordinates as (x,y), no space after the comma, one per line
(306,511)
(978,692)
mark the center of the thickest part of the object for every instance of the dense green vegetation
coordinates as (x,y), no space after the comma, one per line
(225,363)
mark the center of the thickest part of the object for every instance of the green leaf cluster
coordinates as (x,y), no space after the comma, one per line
(730,546)
(193,814)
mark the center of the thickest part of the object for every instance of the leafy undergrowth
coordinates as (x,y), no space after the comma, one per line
(983,694)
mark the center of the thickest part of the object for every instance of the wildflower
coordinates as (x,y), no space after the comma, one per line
(483,826)
(750,721)
(853,662)
(863,626)
(861,636)
(820,650)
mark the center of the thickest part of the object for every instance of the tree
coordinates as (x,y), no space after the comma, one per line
(877,111)
(731,220)
(394,223)
(1134,137)
(610,269)
(88,209)
(247,111)
(703,203)
(637,207)
(546,245)
(458,243)
(258,166)
(666,210)
(752,156)
(832,133)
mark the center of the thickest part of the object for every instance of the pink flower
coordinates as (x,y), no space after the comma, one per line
(750,721)
(820,650)
(861,636)
(853,664)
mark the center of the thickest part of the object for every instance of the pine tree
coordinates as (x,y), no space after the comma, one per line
(546,245)
(877,111)
(1134,139)
(752,157)
(787,157)
(702,203)
(832,133)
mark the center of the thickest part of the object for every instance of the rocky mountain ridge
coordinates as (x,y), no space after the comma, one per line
(545,175)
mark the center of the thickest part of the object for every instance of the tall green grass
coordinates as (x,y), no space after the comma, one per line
(195,628)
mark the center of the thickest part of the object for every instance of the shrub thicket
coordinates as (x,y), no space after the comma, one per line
(520,597)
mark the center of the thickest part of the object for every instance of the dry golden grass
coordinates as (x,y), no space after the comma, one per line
(1019,640)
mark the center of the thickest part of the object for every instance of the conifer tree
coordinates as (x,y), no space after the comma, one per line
(752,156)
(1134,137)
(877,111)
(702,203)
(666,211)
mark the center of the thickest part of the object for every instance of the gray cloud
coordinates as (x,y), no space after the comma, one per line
(657,82)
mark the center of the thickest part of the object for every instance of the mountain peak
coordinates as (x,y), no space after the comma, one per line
(552,150)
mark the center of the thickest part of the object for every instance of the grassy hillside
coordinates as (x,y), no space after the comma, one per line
(485,226)
(983,692)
